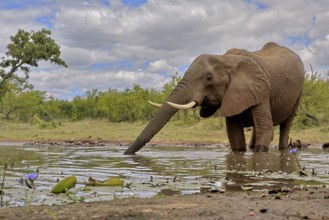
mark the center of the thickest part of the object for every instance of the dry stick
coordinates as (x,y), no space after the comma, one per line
(308,114)
(311,68)
(303,108)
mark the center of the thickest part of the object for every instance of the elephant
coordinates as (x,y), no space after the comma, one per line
(259,89)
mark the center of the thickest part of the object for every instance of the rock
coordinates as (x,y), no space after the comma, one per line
(263,210)
(299,144)
(325,145)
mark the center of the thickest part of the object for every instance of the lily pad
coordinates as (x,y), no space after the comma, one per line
(65,184)
(112,181)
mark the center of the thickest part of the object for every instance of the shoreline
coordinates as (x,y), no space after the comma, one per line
(99,143)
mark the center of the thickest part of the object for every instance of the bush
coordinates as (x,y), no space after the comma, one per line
(315,99)
(36,120)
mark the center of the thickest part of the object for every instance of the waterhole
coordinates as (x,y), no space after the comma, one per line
(155,171)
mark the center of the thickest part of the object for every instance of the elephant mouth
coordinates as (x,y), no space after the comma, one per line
(208,107)
(206,102)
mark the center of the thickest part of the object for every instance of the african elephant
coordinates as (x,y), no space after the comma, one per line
(261,89)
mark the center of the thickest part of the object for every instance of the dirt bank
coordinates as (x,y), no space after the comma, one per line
(311,203)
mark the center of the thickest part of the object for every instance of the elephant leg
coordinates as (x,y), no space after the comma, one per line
(252,140)
(284,134)
(285,128)
(263,126)
(235,134)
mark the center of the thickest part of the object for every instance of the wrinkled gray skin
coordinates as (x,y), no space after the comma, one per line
(260,89)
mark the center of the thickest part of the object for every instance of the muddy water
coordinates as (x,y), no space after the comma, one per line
(156,171)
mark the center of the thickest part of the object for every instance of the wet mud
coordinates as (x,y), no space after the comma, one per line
(307,203)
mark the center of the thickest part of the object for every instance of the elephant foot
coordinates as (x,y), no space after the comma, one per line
(239,150)
(260,148)
(283,147)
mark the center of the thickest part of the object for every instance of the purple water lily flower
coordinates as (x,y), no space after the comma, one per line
(293,150)
(31,176)
(29,179)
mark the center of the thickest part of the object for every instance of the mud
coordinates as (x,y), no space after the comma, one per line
(307,203)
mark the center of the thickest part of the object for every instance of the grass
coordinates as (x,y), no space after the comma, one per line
(209,130)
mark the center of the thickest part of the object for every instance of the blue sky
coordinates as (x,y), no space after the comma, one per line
(119,43)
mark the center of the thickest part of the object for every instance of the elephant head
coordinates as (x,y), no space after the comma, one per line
(231,83)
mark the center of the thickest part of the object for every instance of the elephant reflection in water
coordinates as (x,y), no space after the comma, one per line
(238,163)
(273,162)
(259,89)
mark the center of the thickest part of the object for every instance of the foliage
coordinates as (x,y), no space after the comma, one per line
(43,124)
(169,86)
(131,105)
(116,106)
(26,50)
(22,106)
(315,99)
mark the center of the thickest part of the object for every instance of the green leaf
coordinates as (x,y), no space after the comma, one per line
(112,181)
(65,184)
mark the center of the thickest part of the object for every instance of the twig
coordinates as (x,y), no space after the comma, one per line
(311,69)
(308,114)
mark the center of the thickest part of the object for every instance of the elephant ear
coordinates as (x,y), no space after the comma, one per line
(249,85)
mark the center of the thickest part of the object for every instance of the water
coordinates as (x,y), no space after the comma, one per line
(156,171)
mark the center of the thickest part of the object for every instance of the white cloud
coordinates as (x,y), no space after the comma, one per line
(160,66)
(63,81)
(162,36)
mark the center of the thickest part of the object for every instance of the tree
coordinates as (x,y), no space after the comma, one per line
(26,50)
(169,86)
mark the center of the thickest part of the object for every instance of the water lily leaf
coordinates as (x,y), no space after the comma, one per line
(112,181)
(87,189)
(65,184)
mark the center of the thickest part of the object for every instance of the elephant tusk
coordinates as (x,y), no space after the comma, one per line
(157,105)
(183,107)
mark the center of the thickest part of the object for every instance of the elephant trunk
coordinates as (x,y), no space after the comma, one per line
(159,120)
(179,95)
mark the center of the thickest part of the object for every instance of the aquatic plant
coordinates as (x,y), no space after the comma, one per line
(293,151)
(27,201)
(111,181)
(3,184)
(65,184)
(30,178)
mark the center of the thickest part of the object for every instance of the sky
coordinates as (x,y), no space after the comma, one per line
(118,43)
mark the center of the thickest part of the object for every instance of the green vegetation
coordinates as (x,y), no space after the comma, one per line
(36,107)
(202,131)
(315,99)
(18,100)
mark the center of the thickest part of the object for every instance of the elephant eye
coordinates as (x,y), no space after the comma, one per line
(209,77)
